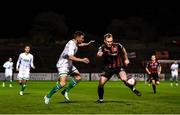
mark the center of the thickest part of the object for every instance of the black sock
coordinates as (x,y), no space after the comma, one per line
(154,88)
(130,86)
(100,92)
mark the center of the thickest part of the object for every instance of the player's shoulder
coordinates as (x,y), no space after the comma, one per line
(118,44)
(30,55)
(21,54)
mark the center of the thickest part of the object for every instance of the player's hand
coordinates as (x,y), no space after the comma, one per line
(17,69)
(126,62)
(34,67)
(85,60)
(92,41)
(99,54)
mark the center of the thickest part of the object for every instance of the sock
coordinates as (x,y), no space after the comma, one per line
(54,90)
(4,80)
(100,92)
(23,86)
(154,88)
(72,84)
(130,86)
(10,82)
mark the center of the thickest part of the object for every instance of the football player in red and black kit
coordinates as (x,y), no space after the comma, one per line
(153,68)
(115,60)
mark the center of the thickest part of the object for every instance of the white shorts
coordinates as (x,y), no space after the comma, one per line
(23,74)
(174,73)
(67,70)
(8,73)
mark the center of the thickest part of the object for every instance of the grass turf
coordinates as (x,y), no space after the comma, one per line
(118,99)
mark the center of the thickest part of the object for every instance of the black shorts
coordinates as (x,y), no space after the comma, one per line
(155,76)
(109,72)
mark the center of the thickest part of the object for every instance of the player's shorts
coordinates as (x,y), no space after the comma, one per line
(23,74)
(109,72)
(8,73)
(155,76)
(68,71)
(174,73)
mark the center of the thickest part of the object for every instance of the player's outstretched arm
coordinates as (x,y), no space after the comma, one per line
(86,44)
(74,58)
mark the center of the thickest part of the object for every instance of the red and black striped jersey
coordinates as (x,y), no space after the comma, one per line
(153,66)
(113,56)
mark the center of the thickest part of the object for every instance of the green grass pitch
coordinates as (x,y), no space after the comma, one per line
(118,99)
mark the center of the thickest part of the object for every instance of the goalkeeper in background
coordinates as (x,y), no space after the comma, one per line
(174,73)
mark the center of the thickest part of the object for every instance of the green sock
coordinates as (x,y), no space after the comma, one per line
(23,86)
(54,90)
(72,84)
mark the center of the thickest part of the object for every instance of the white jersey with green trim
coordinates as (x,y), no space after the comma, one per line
(70,49)
(25,61)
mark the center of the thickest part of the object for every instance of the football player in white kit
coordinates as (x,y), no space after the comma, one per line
(24,63)
(8,65)
(65,66)
(174,73)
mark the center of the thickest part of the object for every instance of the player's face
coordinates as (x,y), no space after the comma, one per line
(108,41)
(153,58)
(80,39)
(10,59)
(27,49)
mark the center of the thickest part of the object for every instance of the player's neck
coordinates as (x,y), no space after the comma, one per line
(26,53)
(74,41)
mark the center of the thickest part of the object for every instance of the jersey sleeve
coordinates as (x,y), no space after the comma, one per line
(71,49)
(100,49)
(5,65)
(120,46)
(18,61)
(32,61)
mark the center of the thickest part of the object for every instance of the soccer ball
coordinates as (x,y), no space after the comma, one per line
(131,81)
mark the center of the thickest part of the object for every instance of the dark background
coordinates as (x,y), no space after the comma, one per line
(17,17)
(143,27)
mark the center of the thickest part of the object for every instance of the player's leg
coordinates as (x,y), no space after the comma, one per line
(177,84)
(172,80)
(10,79)
(20,81)
(123,77)
(5,79)
(76,78)
(60,84)
(102,82)
(154,85)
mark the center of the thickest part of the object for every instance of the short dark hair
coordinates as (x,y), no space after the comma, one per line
(108,35)
(78,33)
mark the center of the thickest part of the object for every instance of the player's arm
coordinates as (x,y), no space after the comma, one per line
(71,56)
(18,62)
(126,60)
(147,70)
(32,62)
(100,52)
(159,69)
(5,65)
(86,44)
(74,58)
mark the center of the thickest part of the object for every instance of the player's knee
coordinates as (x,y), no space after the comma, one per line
(63,84)
(157,82)
(78,77)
